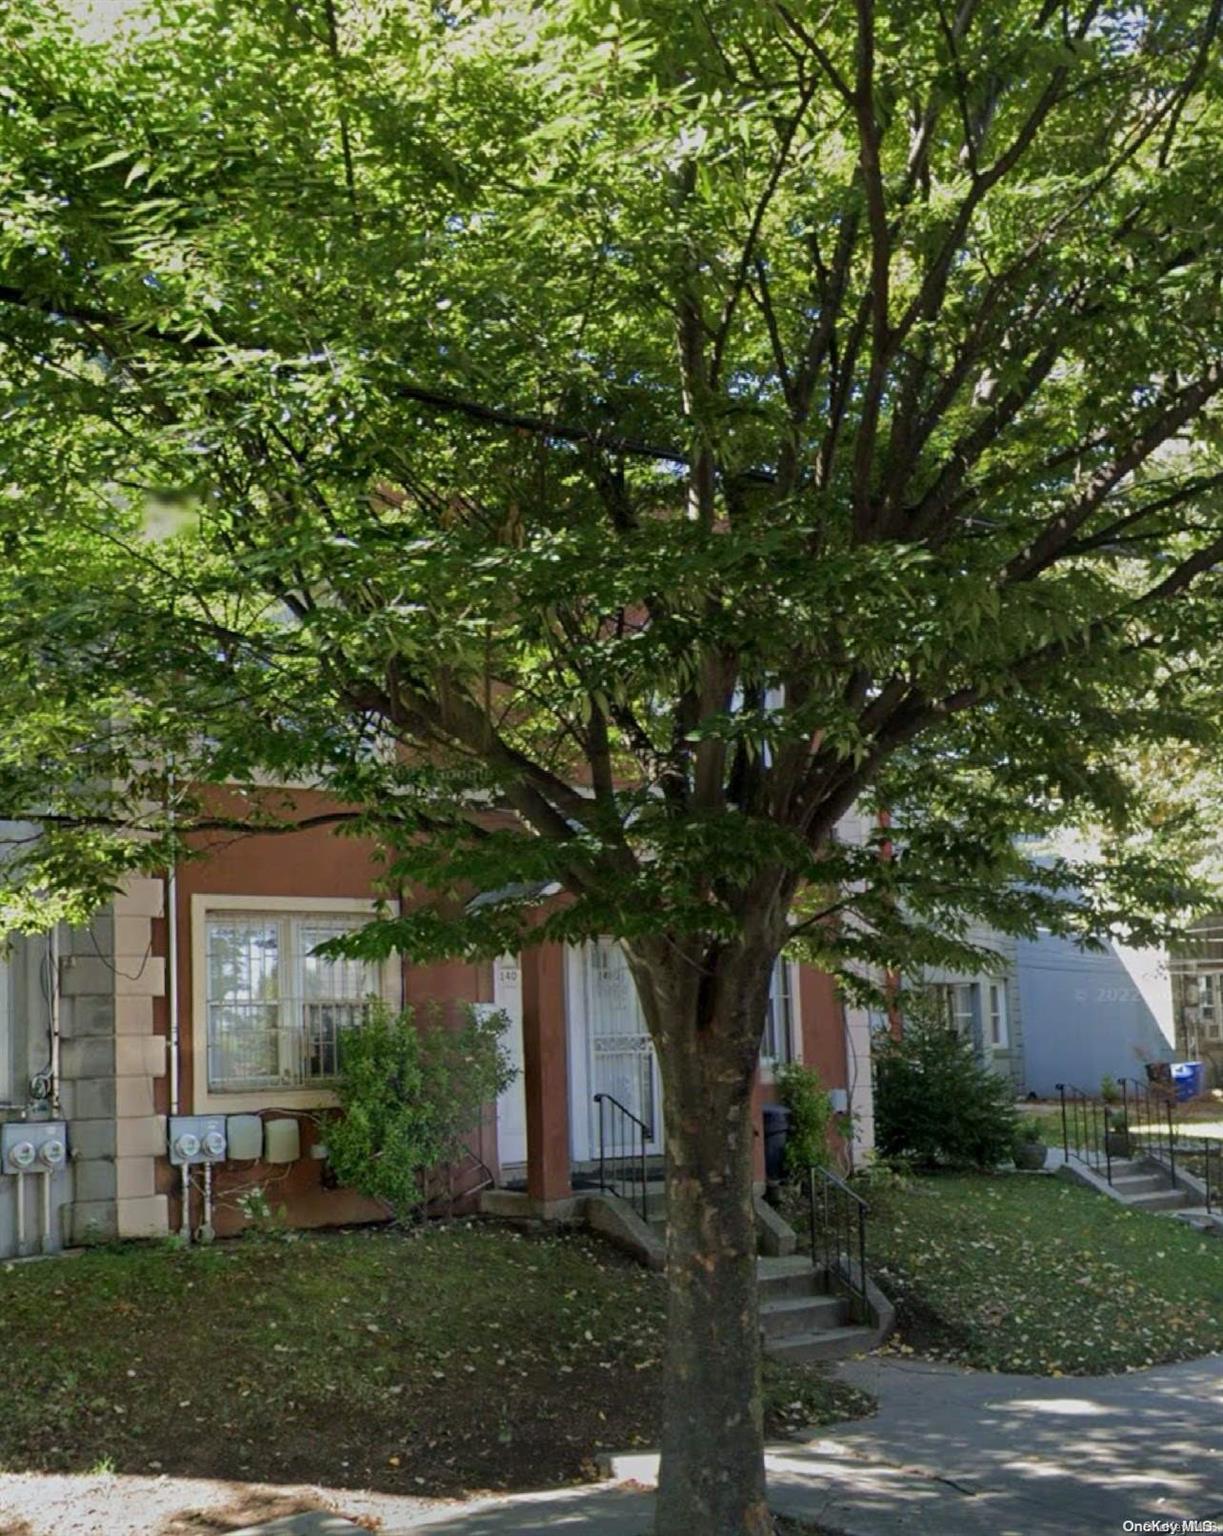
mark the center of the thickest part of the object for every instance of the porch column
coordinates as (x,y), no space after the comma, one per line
(545,1071)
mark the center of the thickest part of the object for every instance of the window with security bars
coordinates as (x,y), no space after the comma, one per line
(777,1043)
(276,1010)
(1210,1006)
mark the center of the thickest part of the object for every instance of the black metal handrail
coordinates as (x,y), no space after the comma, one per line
(1150,1125)
(1196,1155)
(1151,1117)
(622,1152)
(1086,1132)
(838,1236)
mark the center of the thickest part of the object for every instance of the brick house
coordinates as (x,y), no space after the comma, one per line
(197,994)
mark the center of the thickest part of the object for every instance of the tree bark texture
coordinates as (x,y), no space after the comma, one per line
(711,1478)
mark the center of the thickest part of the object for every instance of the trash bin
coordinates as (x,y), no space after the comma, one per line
(776,1118)
(1159,1073)
(1188,1079)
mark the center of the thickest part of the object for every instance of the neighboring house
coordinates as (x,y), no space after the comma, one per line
(985,1006)
(197,995)
(1091,1014)
(1197,997)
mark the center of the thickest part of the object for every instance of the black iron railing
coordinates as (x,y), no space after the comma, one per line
(1151,1117)
(1141,1120)
(1202,1159)
(1091,1134)
(838,1237)
(622,1153)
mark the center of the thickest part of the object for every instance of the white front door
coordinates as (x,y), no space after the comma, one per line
(620,1052)
(512,1105)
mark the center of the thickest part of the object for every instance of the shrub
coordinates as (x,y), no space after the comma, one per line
(409,1092)
(1030,1130)
(935,1103)
(811,1117)
(1109,1090)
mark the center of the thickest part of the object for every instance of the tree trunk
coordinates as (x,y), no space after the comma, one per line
(711,1479)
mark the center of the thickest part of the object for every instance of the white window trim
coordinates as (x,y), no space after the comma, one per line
(1003,1042)
(768,1064)
(204,1102)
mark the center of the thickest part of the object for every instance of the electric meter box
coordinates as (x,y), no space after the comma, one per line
(197,1139)
(282,1141)
(245,1136)
(33,1146)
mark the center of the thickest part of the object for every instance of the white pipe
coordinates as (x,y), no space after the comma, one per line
(53,954)
(185,1224)
(44,1239)
(20,1214)
(172,978)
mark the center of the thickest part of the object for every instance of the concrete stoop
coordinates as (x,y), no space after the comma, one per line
(1145,1184)
(801,1321)
(803,1316)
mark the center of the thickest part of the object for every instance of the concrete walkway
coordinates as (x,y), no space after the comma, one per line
(950,1453)
(958,1453)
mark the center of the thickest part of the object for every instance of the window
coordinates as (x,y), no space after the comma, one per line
(955,1005)
(1210,1005)
(777,1043)
(996,993)
(275,1011)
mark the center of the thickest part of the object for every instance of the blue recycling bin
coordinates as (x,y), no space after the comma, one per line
(1188,1079)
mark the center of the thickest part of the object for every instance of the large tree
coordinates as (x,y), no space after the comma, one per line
(601,443)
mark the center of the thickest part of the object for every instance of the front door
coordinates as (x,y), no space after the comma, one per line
(620,1052)
(512,1105)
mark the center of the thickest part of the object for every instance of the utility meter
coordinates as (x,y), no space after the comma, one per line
(37,1146)
(197,1139)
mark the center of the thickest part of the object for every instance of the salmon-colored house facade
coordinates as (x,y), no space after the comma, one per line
(201,997)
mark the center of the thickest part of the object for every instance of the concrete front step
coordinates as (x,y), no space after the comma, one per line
(1140,1183)
(1164,1200)
(822,1344)
(783,1277)
(782,1316)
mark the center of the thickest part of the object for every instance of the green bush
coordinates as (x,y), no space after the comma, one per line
(936,1104)
(409,1091)
(811,1117)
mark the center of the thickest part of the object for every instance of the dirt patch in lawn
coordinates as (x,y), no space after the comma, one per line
(462,1358)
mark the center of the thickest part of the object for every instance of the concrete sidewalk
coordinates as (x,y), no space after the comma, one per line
(949,1453)
(958,1453)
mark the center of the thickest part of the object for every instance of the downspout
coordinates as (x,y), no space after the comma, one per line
(54,1016)
(172,978)
(172,1001)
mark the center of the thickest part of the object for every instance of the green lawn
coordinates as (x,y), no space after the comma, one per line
(463,1357)
(1021,1273)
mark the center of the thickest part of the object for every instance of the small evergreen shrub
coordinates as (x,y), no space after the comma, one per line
(936,1104)
(409,1091)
